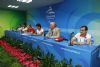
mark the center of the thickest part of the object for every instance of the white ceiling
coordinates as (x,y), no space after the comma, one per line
(25,6)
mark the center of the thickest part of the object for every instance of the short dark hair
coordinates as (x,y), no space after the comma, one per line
(86,28)
(38,25)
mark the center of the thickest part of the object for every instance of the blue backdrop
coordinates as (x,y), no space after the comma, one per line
(69,16)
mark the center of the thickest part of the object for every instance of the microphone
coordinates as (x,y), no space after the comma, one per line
(65,39)
(45,32)
(71,35)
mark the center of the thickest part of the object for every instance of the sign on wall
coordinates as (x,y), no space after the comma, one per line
(50,14)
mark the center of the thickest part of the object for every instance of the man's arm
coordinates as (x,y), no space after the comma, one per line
(76,43)
(48,34)
(73,41)
(88,41)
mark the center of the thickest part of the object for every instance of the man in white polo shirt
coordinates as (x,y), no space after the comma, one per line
(81,38)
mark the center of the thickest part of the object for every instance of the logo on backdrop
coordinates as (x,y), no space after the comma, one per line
(50,14)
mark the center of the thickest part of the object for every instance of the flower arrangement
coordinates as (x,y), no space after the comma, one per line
(24,58)
(29,57)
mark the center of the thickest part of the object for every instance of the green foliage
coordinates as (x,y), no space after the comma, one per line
(6,60)
(37,52)
(48,60)
(16,65)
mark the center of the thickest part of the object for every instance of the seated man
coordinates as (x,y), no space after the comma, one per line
(39,30)
(81,38)
(54,32)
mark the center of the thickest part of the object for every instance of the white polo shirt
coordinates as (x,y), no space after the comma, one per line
(81,39)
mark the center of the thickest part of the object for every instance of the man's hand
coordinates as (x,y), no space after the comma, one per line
(81,43)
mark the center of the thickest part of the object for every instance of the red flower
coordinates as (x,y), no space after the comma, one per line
(23,58)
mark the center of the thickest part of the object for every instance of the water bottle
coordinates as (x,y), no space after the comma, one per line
(92,40)
(85,40)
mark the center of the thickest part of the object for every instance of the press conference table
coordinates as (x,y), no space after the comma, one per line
(84,55)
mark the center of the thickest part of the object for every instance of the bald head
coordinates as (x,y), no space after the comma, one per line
(52,25)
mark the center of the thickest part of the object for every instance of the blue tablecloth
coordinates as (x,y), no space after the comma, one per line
(85,55)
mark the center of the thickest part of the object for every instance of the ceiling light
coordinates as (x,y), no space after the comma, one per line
(12,6)
(9,5)
(16,6)
(25,1)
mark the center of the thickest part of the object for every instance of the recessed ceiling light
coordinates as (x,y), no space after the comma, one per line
(12,6)
(9,5)
(16,6)
(25,1)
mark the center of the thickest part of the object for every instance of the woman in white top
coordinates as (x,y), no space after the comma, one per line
(39,30)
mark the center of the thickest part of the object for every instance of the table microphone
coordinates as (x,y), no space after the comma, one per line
(71,35)
(65,39)
(44,35)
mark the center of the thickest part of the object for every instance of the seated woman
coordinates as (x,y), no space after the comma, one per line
(39,30)
(29,29)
